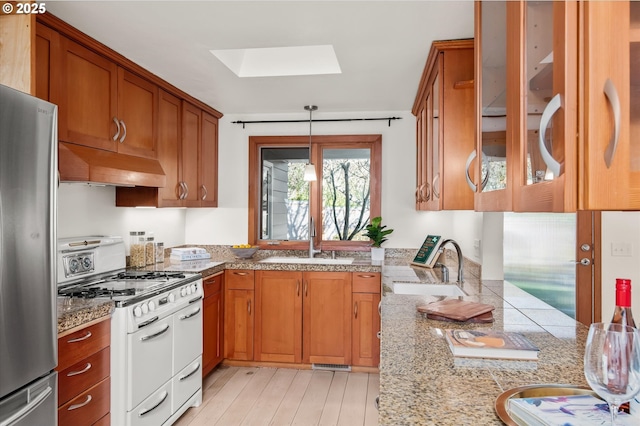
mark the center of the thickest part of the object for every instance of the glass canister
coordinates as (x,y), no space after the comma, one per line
(137,241)
(159,252)
(150,251)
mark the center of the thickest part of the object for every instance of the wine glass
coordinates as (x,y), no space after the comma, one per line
(612,363)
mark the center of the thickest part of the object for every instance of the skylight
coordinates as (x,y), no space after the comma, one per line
(280,61)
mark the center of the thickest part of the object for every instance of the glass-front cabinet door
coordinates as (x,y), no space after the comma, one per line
(546,106)
(494,144)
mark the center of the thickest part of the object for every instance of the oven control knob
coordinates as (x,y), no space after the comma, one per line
(145,308)
(172,298)
(193,288)
(183,292)
(152,306)
(137,311)
(74,266)
(188,289)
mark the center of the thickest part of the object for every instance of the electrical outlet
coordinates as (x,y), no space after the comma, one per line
(476,247)
(621,249)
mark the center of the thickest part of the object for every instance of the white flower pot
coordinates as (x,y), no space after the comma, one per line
(377,253)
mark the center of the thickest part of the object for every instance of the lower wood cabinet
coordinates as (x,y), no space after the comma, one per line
(83,375)
(239,309)
(302,317)
(213,320)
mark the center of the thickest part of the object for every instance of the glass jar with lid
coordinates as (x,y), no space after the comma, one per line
(137,241)
(159,252)
(150,251)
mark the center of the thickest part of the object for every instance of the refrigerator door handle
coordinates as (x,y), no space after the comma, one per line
(27,409)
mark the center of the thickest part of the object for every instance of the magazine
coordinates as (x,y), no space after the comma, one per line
(490,344)
(566,410)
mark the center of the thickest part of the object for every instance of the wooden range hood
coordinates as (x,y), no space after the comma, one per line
(78,163)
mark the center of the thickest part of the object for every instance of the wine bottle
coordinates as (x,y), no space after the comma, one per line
(622,313)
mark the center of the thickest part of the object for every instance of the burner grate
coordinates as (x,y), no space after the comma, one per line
(147,275)
(91,292)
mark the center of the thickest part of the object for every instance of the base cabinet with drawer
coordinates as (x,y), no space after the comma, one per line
(365,341)
(84,375)
(239,309)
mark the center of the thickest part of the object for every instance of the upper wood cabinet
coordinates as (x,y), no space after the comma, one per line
(445,127)
(554,110)
(104,106)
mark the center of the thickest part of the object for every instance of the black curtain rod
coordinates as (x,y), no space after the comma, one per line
(306,121)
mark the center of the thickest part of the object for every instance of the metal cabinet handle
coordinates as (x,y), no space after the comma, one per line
(380,307)
(192,314)
(210,281)
(584,262)
(124,134)
(366,276)
(554,166)
(355,310)
(435,191)
(80,339)
(306,288)
(241,273)
(298,288)
(183,192)
(194,371)
(186,189)
(82,404)
(614,100)
(378,334)
(418,197)
(249,306)
(485,179)
(23,412)
(204,196)
(427,197)
(151,336)
(115,137)
(84,370)
(164,398)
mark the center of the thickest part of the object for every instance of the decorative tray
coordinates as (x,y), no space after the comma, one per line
(502,402)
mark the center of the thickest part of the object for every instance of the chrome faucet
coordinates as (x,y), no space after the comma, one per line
(460,258)
(312,235)
(445,272)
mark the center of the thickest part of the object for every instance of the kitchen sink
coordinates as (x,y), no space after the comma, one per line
(309,260)
(423,289)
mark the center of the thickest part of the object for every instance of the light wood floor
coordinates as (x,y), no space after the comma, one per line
(278,396)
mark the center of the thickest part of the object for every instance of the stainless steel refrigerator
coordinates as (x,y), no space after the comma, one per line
(28,314)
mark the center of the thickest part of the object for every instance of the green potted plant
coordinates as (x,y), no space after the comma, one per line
(378,234)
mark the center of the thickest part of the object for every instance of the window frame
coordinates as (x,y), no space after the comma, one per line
(318,143)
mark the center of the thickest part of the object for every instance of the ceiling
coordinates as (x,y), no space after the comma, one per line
(381,46)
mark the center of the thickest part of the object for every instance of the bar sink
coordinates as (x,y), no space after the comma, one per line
(425,289)
(309,260)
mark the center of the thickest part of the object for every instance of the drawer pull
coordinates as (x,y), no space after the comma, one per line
(241,273)
(366,276)
(164,398)
(80,339)
(84,370)
(211,281)
(192,314)
(151,336)
(76,406)
(194,371)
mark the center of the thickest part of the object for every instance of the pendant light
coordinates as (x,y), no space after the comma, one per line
(310,169)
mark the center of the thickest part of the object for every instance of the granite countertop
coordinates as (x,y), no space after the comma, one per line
(74,312)
(420,381)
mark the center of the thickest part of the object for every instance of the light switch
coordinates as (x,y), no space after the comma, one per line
(621,249)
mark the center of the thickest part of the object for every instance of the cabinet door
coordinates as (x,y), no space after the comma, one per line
(611,66)
(434,111)
(88,98)
(169,152)
(238,324)
(493,112)
(545,105)
(213,321)
(421,157)
(191,133)
(366,325)
(208,184)
(326,318)
(278,327)
(47,64)
(137,113)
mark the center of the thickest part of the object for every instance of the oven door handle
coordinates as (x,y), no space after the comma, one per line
(192,314)
(151,336)
(195,300)
(147,322)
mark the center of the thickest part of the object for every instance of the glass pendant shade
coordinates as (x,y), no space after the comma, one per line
(310,173)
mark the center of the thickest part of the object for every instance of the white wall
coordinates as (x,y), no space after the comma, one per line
(228,223)
(620,228)
(91,210)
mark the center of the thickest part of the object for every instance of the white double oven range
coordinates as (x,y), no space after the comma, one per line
(156,329)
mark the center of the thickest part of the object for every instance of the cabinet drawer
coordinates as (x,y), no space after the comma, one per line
(239,279)
(87,408)
(366,282)
(212,285)
(78,345)
(83,375)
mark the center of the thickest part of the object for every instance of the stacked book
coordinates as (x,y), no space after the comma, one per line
(189,253)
